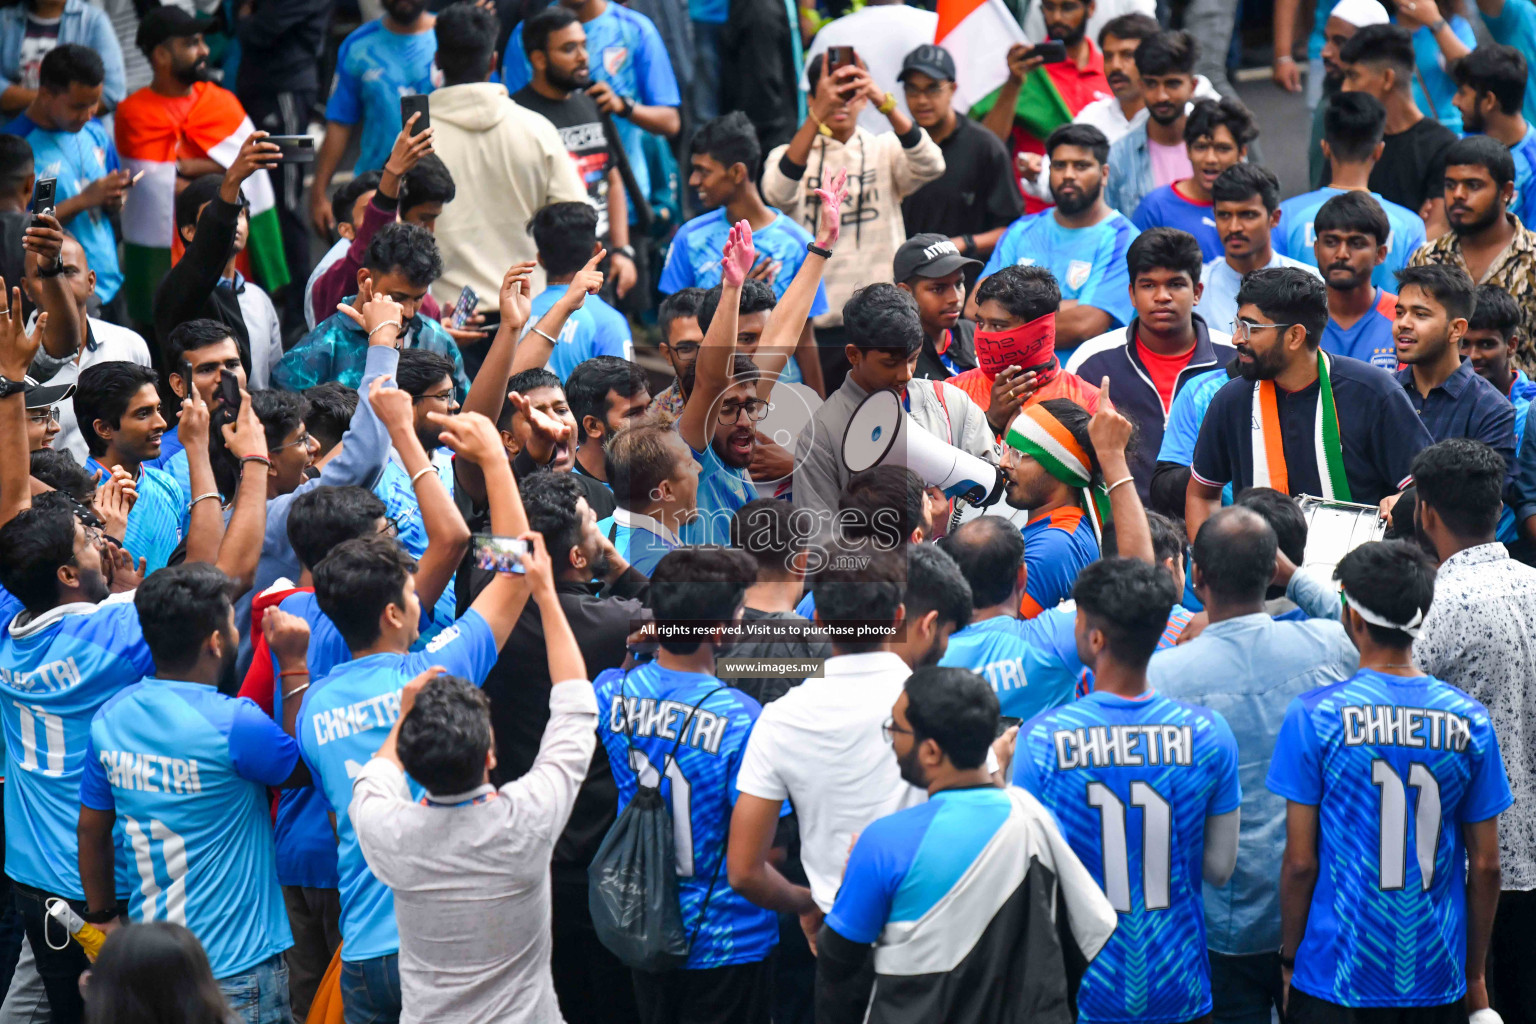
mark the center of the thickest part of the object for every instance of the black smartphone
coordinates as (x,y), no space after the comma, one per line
(42,197)
(229,392)
(839,57)
(1006,722)
(297,149)
(1051,51)
(465,307)
(415,104)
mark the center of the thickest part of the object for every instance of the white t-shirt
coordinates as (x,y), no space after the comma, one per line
(114,344)
(820,746)
(1218,300)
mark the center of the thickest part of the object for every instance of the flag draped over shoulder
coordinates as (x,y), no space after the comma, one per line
(978,33)
(152,132)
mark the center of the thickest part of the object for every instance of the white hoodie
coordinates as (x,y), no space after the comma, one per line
(507,163)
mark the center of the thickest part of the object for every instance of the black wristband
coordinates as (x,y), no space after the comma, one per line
(99,916)
(913,136)
(970,244)
(1288,962)
(629,108)
(53,271)
(825,254)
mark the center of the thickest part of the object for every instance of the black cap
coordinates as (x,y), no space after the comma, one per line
(45,396)
(168,22)
(928,59)
(931,255)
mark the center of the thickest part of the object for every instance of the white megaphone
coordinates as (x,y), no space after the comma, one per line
(879,434)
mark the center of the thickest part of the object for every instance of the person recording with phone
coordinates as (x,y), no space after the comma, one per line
(882,170)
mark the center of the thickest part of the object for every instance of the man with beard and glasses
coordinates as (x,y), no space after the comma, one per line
(1491,82)
(1347,17)
(597,591)
(1352,236)
(1153,153)
(378,63)
(1380,60)
(214,756)
(1247,203)
(1433,305)
(1353,123)
(1298,420)
(1486,240)
(556,46)
(179,128)
(1082,242)
(992,917)
(1216,136)
(1183,785)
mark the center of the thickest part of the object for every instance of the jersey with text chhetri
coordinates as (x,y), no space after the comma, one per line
(1131,783)
(641,715)
(1396,766)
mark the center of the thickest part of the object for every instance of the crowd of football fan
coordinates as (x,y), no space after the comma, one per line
(981,552)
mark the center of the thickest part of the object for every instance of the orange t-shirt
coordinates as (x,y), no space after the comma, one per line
(1064,385)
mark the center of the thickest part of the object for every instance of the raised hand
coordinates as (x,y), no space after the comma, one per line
(287,636)
(415,686)
(588,281)
(245,436)
(123,574)
(472,436)
(546,428)
(381,316)
(408,149)
(17,347)
(1109,431)
(516,297)
(44,239)
(739,255)
(193,429)
(256,154)
(832,195)
(393,408)
(538,567)
(1020,64)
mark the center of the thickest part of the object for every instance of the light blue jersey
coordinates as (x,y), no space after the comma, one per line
(1296,235)
(642,542)
(1031,663)
(1395,767)
(1521,391)
(185,769)
(628,56)
(1515,25)
(722,490)
(1131,783)
(1523,204)
(159,518)
(1433,71)
(693,260)
(56,671)
(75,160)
(1088,263)
(374,68)
(596,329)
(1368,339)
(341,724)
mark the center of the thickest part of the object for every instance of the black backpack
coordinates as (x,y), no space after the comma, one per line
(632,888)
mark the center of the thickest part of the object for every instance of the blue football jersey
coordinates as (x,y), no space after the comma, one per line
(640,715)
(1031,663)
(55,674)
(722,490)
(596,329)
(341,724)
(1131,783)
(1057,545)
(186,768)
(1296,235)
(402,506)
(1368,339)
(1395,767)
(374,68)
(1167,207)
(1088,263)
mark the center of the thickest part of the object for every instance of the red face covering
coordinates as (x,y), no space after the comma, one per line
(1028,346)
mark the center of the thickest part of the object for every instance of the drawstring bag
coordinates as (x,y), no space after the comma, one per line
(632,888)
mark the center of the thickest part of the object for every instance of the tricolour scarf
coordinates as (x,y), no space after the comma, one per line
(1269,469)
(1040,435)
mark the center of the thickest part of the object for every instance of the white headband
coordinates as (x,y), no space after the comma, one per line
(1411,627)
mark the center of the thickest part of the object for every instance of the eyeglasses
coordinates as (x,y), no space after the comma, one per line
(391,527)
(1242,329)
(685,348)
(43,416)
(445,397)
(302,439)
(755,408)
(890,728)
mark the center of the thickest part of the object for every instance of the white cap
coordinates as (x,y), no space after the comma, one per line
(1360,13)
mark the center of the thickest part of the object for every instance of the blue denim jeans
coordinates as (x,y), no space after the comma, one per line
(370,990)
(260,995)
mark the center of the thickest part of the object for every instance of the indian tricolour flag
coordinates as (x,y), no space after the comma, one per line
(152,132)
(978,33)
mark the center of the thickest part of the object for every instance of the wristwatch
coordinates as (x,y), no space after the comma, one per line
(625,250)
(10,387)
(629,108)
(99,916)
